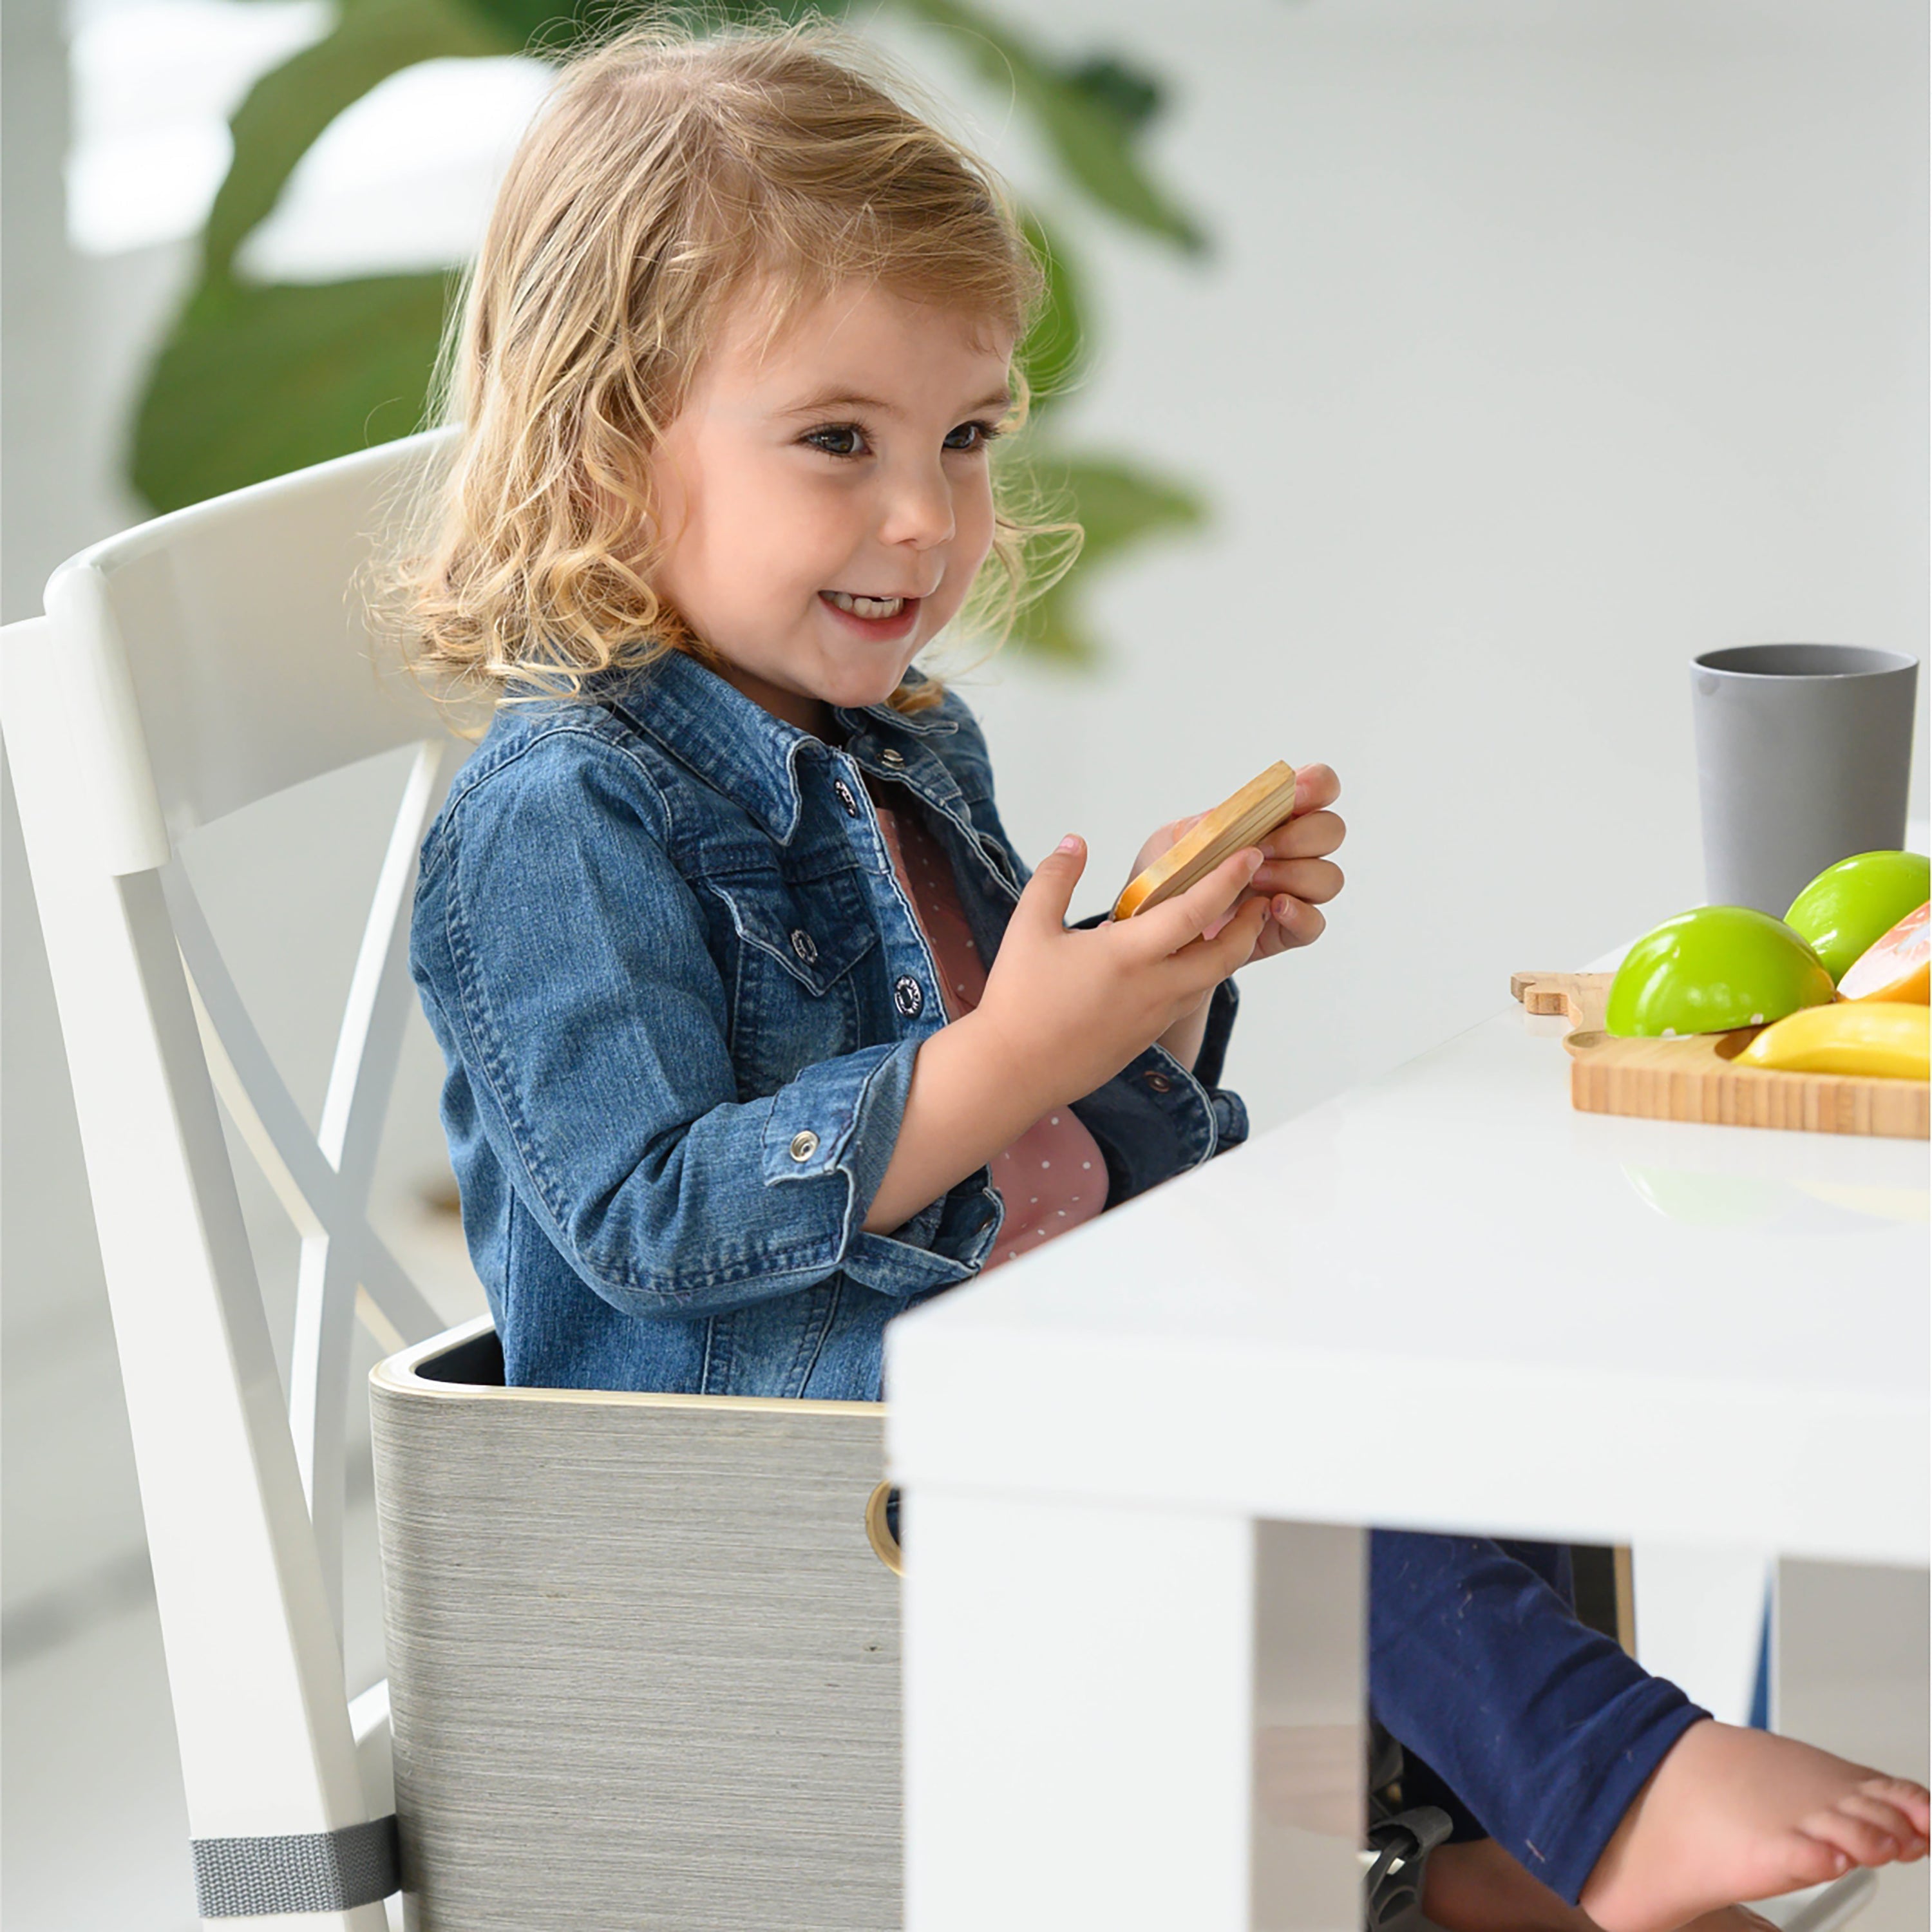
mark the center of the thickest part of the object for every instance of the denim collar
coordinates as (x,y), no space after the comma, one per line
(735,744)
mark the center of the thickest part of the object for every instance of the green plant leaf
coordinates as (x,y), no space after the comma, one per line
(1133,96)
(288,108)
(257,380)
(1118,505)
(1054,355)
(548,27)
(1090,112)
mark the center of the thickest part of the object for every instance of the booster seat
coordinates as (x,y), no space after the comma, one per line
(644,1654)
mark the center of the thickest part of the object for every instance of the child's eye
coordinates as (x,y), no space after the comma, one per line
(971,435)
(837,439)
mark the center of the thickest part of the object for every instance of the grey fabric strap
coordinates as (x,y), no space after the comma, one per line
(312,1871)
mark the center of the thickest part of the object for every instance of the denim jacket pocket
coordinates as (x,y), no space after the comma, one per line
(794,1001)
(818,941)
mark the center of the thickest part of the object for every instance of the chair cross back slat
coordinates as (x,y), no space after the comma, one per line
(323,1180)
(256,1098)
(186,669)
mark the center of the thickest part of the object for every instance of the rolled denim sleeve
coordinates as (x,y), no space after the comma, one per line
(613,1107)
(1222,1005)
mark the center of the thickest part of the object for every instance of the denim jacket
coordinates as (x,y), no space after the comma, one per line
(660,941)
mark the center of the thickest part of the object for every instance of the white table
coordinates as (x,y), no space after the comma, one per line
(1135,1463)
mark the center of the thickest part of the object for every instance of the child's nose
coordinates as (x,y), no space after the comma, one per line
(919,511)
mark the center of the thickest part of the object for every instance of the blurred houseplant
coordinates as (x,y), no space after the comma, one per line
(258,378)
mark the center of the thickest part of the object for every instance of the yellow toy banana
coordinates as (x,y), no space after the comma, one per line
(1882,1037)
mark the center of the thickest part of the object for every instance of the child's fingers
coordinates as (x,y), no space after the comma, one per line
(1315,787)
(1164,838)
(1042,905)
(1168,927)
(1317,881)
(1313,837)
(1298,922)
(1211,960)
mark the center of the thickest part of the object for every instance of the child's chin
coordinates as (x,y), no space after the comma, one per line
(871,688)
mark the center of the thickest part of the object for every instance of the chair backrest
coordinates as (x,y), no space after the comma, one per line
(185,669)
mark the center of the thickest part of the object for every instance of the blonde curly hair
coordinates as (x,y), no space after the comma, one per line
(664,177)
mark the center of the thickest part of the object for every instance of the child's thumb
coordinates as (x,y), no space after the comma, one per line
(1050,890)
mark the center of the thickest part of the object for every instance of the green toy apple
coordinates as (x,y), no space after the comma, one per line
(1853,904)
(1713,969)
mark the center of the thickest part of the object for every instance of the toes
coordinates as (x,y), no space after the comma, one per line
(1858,1838)
(1811,1860)
(1913,1800)
(1875,1811)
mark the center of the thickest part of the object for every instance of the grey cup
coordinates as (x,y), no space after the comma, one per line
(1803,758)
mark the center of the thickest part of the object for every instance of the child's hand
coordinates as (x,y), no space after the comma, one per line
(1062,1013)
(1296,876)
(1298,873)
(1066,1010)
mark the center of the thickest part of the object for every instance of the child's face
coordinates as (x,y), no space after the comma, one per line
(847,462)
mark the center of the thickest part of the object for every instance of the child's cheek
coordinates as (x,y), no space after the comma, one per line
(974,538)
(815,539)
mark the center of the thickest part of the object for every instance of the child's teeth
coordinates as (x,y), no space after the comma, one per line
(867,607)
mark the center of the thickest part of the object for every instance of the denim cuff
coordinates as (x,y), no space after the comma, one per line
(1231,1119)
(841,1118)
(1222,1005)
(949,1241)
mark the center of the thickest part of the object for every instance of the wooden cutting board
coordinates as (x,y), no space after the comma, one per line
(1695,1079)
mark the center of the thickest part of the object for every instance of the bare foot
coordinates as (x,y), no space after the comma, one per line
(1732,1813)
(1480,1887)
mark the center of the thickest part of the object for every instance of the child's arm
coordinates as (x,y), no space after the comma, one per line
(1063,1012)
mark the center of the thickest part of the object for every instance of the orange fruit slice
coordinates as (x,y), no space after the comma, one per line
(1899,967)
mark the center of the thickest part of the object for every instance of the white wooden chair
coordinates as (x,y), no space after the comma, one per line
(184,671)
(670,1684)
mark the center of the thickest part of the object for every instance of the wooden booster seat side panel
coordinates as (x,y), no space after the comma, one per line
(644,1663)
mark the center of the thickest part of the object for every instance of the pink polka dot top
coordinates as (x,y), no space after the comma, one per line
(1052,1177)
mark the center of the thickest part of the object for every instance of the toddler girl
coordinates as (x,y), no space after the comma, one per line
(758,1030)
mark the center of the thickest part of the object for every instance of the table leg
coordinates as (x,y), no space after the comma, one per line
(1083,1687)
(1849,1674)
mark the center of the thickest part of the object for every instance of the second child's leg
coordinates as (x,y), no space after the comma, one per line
(1545,1730)
(1606,1783)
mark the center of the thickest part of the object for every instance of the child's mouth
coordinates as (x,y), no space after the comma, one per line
(878,616)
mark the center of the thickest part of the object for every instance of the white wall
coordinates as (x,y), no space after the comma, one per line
(1543,346)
